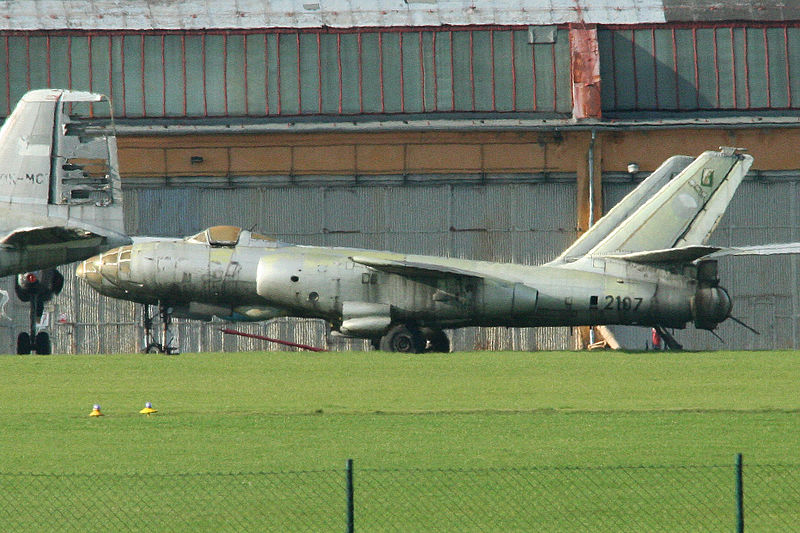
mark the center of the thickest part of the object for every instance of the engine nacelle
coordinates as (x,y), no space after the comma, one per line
(710,306)
(42,283)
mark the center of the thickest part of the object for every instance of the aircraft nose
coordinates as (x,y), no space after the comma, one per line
(89,271)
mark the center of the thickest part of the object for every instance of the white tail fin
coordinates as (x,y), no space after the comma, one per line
(625,208)
(685,211)
(59,180)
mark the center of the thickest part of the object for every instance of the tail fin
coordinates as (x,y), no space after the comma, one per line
(57,150)
(627,206)
(683,212)
(59,177)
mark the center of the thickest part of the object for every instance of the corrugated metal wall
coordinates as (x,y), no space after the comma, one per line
(296,72)
(725,66)
(528,222)
(525,222)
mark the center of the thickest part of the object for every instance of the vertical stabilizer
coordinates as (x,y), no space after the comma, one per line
(627,206)
(683,212)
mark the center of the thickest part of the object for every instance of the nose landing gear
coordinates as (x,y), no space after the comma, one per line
(151,345)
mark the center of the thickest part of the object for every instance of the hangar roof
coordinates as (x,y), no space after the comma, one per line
(210,14)
(252,14)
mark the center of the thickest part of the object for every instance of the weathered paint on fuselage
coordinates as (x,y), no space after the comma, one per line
(257,282)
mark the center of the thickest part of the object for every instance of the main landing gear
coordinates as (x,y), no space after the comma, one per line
(408,338)
(151,345)
(36,288)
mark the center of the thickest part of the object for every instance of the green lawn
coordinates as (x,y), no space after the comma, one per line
(290,412)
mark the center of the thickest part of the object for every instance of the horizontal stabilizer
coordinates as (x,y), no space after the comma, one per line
(412,269)
(685,254)
(761,249)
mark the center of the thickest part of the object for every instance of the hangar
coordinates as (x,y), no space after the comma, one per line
(477,130)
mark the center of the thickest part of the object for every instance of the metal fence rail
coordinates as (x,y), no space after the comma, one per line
(640,498)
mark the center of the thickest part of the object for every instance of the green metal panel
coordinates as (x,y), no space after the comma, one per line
(462,85)
(154,76)
(132,73)
(391,72)
(428,69)
(707,79)
(739,58)
(370,73)
(623,69)
(645,69)
(80,63)
(330,74)
(37,53)
(665,83)
(173,72)
(544,69)
(687,97)
(563,81)
(756,68)
(776,44)
(117,88)
(215,75)
(311,59)
(256,75)
(725,67)
(482,69)
(5,104)
(503,82)
(59,62)
(234,77)
(412,75)
(793,38)
(523,69)
(289,84)
(273,96)
(195,92)
(17,69)
(444,79)
(101,69)
(350,73)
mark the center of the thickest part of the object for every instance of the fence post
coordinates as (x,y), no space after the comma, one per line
(350,506)
(739,495)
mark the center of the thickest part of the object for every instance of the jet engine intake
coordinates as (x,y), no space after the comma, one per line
(710,306)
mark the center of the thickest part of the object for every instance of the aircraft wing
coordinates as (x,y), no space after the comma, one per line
(410,268)
(22,237)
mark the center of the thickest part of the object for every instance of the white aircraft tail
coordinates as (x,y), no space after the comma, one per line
(684,212)
(625,208)
(56,149)
(59,177)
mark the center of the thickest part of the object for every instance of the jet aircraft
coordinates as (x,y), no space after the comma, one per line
(60,198)
(646,262)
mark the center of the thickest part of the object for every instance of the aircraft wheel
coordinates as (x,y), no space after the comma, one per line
(153,348)
(403,339)
(42,343)
(23,343)
(375,343)
(439,342)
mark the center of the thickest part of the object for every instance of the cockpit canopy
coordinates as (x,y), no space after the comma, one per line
(230,236)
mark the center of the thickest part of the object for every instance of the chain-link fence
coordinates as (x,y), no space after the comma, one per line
(645,498)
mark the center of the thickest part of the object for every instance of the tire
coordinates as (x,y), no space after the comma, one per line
(403,339)
(153,348)
(42,343)
(23,343)
(439,342)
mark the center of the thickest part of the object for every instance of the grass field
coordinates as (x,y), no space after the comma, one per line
(285,411)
